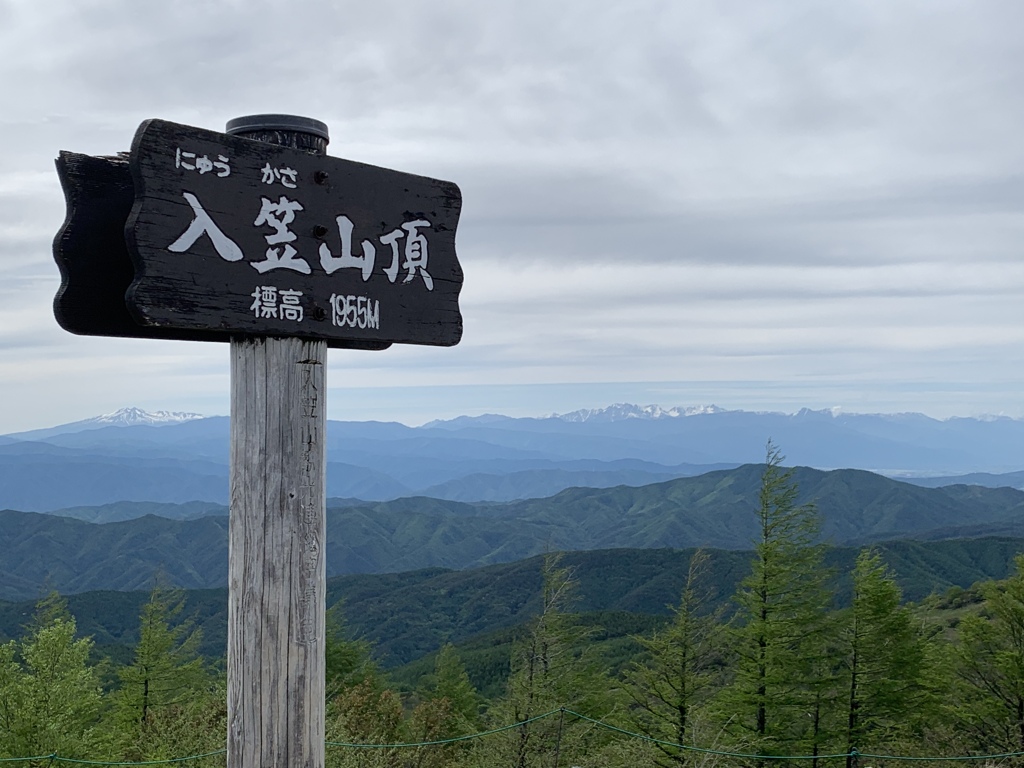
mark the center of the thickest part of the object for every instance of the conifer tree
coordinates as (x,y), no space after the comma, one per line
(11,687)
(884,660)
(779,642)
(449,708)
(453,684)
(365,713)
(166,681)
(360,708)
(347,661)
(547,673)
(991,667)
(682,670)
(53,702)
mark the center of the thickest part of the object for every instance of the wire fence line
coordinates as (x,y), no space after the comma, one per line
(54,758)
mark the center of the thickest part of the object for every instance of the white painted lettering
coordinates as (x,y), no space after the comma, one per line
(361,311)
(348,260)
(355,311)
(415,252)
(278,215)
(290,307)
(202,164)
(201,225)
(272,302)
(287,177)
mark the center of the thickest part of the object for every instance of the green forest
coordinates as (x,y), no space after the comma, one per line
(783,673)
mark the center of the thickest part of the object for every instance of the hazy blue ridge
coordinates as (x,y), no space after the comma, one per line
(987,479)
(501,459)
(129,510)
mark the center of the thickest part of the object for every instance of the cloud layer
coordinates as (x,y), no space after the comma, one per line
(761,205)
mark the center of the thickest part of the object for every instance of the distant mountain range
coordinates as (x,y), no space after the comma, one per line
(162,457)
(616,412)
(716,510)
(125,417)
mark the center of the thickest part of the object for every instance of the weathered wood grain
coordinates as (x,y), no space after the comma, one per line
(277,577)
(277,535)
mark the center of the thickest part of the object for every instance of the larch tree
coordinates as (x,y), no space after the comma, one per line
(165,682)
(547,673)
(12,686)
(682,668)
(775,699)
(348,662)
(448,709)
(56,698)
(991,667)
(884,660)
(451,682)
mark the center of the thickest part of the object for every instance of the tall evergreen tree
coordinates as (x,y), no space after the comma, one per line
(682,669)
(53,702)
(547,673)
(449,708)
(991,667)
(884,660)
(12,686)
(452,683)
(165,682)
(348,662)
(365,713)
(776,695)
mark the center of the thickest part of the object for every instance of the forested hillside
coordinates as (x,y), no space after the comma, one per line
(409,614)
(711,510)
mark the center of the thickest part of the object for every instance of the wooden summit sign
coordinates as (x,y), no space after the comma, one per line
(228,236)
(258,238)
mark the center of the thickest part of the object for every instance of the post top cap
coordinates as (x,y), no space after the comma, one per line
(255,123)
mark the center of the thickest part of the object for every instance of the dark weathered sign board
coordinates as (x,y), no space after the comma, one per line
(224,236)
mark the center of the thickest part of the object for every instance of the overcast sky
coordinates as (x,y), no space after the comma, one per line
(764,206)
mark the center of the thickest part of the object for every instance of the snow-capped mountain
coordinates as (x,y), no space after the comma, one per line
(621,411)
(130,417)
(125,417)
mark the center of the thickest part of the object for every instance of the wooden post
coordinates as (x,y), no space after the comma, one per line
(277,529)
